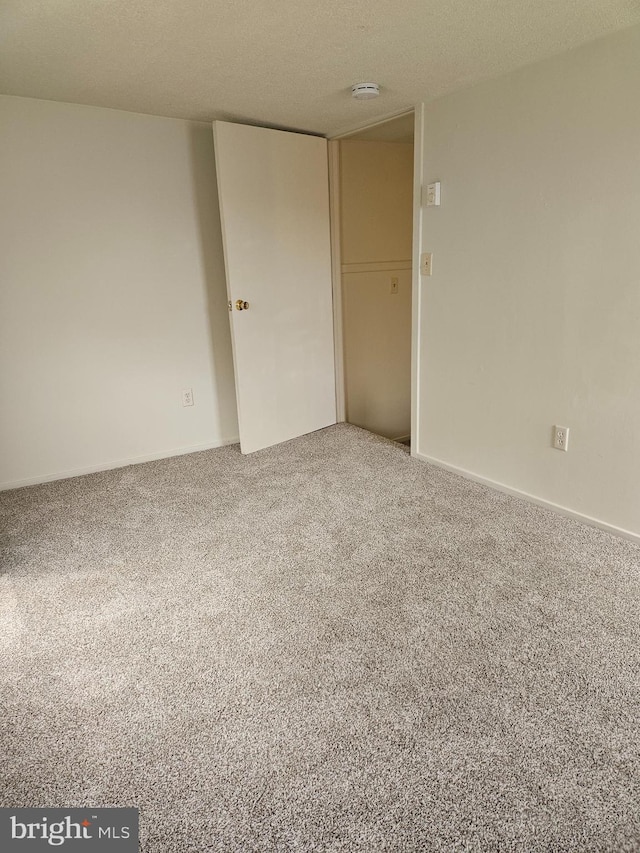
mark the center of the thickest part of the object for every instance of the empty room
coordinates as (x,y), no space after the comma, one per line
(320,426)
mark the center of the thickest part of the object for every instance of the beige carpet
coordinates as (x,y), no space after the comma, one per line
(326,646)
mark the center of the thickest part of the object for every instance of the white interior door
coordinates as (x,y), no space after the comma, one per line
(274,206)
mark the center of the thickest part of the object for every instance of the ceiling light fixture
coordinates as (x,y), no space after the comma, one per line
(365,91)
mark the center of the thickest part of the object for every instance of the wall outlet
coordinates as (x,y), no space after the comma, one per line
(187,397)
(426,263)
(394,284)
(561,438)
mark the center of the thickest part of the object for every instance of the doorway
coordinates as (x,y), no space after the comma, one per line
(373,232)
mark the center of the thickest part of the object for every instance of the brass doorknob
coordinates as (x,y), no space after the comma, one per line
(241,305)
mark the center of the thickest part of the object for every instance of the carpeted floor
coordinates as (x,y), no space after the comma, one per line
(326,646)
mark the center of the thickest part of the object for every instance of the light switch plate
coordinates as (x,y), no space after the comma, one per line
(426,263)
(433,194)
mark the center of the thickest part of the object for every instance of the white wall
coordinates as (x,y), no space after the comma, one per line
(112,290)
(532,316)
(376,211)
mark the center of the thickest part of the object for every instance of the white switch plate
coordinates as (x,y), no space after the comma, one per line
(394,284)
(426,263)
(433,194)
(561,438)
(187,397)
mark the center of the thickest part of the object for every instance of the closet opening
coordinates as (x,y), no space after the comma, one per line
(373,208)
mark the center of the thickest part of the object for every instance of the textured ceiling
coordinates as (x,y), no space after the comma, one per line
(286,63)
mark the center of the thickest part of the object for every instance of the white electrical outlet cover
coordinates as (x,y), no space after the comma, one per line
(561,438)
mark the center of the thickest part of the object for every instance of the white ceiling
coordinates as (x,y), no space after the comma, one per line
(286,63)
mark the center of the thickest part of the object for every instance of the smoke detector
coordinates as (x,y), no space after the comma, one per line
(365,91)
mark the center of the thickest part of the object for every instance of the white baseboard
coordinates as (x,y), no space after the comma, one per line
(561,510)
(402,437)
(119,463)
